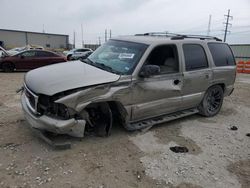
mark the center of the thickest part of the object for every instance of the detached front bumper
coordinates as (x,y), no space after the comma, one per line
(71,127)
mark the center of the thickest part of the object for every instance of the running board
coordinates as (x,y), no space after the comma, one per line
(160,119)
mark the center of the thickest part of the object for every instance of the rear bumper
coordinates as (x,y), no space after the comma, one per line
(71,127)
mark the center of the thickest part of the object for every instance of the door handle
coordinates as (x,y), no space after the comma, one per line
(176,82)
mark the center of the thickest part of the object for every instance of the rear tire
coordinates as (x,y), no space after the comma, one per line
(8,67)
(69,57)
(212,101)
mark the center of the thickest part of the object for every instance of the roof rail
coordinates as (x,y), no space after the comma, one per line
(175,36)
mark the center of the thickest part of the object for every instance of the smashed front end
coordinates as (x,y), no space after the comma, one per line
(42,113)
(75,113)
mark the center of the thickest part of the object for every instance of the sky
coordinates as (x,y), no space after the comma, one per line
(127,17)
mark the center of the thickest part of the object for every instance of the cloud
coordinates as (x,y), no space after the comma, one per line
(125,17)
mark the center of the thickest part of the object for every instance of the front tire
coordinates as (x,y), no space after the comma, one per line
(212,101)
(7,67)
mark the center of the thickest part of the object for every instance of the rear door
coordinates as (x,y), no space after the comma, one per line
(197,74)
(47,58)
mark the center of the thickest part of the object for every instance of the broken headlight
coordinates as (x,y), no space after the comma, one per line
(47,106)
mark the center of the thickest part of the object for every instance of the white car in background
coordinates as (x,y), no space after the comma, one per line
(15,51)
(3,52)
(83,55)
(76,52)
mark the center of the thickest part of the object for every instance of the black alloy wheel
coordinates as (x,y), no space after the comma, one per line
(212,101)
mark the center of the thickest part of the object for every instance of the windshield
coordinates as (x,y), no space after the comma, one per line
(119,57)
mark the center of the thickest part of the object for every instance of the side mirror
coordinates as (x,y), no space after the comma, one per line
(149,70)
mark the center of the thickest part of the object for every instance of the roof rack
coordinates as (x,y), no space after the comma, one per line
(175,36)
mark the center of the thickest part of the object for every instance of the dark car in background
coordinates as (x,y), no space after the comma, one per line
(29,59)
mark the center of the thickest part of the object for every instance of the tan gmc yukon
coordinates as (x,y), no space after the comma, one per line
(136,81)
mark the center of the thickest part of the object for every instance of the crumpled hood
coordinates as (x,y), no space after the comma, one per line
(53,79)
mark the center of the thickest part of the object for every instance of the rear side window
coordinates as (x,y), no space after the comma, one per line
(45,54)
(195,57)
(222,54)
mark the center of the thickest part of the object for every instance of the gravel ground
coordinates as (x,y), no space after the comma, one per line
(217,156)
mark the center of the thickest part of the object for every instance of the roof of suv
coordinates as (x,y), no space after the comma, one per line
(154,39)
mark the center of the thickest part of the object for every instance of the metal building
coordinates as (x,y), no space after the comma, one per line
(241,52)
(14,38)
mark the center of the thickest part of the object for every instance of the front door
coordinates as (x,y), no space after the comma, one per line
(26,60)
(159,94)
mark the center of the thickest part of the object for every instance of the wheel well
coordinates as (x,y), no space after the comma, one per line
(222,85)
(68,56)
(120,113)
(108,113)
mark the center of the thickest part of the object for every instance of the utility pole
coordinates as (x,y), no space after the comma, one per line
(226,24)
(43,29)
(74,39)
(110,33)
(82,36)
(106,35)
(209,25)
(99,39)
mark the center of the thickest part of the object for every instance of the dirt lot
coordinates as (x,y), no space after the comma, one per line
(217,157)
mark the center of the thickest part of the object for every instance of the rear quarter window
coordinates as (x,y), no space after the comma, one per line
(222,54)
(46,54)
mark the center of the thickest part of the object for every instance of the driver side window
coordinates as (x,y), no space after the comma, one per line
(165,56)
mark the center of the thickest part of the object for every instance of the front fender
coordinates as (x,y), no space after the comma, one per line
(79,100)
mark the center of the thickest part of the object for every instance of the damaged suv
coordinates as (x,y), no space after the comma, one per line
(136,81)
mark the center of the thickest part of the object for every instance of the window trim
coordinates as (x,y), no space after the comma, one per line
(177,56)
(206,57)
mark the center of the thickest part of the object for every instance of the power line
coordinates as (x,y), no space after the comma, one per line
(238,32)
(226,24)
